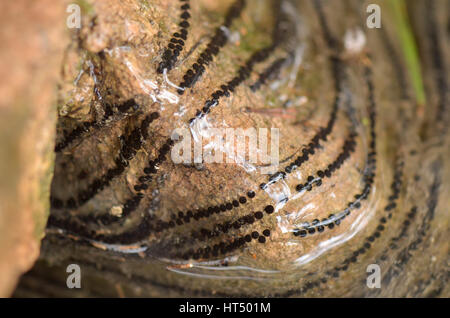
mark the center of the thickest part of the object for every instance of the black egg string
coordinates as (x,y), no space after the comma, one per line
(178,219)
(329,38)
(396,64)
(269,73)
(421,230)
(244,71)
(368,180)
(368,242)
(395,187)
(322,133)
(309,284)
(177,42)
(405,226)
(390,205)
(80,231)
(85,127)
(212,49)
(348,149)
(129,146)
(370,239)
(186,216)
(225,247)
(132,203)
(362,249)
(225,227)
(317,226)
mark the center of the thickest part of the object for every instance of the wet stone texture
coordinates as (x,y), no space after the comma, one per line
(33,39)
(362,176)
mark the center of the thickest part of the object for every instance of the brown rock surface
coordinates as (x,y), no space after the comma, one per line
(32,34)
